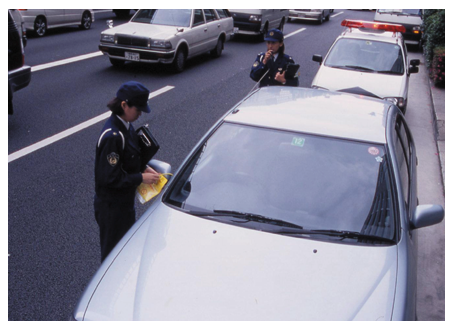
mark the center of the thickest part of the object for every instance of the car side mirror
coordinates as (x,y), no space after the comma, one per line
(413,69)
(317,58)
(415,62)
(159,166)
(427,215)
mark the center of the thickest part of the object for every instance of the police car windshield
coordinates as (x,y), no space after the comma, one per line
(366,55)
(309,181)
(171,17)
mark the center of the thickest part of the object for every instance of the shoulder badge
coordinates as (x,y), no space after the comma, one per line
(255,64)
(113,158)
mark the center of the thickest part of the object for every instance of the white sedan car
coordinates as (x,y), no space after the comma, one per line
(169,36)
(368,58)
(299,204)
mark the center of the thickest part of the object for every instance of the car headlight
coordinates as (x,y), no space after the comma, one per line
(107,38)
(398,101)
(160,44)
(255,18)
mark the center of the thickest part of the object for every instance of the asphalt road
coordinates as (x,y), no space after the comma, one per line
(53,245)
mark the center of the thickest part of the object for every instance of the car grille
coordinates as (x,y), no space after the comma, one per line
(241,17)
(133,41)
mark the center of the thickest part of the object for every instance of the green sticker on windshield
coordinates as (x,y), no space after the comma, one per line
(298,142)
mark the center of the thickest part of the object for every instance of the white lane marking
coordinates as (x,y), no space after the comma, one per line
(70,131)
(295,32)
(337,14)
(66,61)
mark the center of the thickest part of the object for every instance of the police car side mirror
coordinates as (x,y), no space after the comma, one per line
(415,62)
(413,69)
(317,58)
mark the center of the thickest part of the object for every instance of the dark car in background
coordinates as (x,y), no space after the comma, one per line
(19,75)
(411,19)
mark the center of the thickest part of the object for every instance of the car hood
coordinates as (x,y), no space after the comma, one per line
(381,85)
(159,32)
(181,267)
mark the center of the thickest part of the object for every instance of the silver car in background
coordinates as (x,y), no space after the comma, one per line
(168,36)
(40,20)
(298,204)
(319,15)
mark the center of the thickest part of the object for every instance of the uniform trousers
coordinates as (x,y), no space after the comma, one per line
(114,219)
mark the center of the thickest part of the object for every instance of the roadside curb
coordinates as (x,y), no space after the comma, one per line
(437,96)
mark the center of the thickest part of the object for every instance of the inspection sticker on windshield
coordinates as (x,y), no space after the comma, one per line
(374,151)
(298,142)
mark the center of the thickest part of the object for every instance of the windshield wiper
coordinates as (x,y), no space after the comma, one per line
(247,217)
(360,68)
(350,234)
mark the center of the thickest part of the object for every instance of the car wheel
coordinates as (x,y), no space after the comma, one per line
(322,18)
(179,61)
(117,62)
(263,34)
(327,18)
(217,51)
(85,24)
(40,26)
(281,25)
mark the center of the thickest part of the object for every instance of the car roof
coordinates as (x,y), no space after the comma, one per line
(313,111)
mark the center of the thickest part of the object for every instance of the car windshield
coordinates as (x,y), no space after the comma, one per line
(366,55)
(308,181)
(171,17)
(414,12)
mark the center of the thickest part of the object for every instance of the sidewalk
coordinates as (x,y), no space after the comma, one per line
(438,101)
(426,116)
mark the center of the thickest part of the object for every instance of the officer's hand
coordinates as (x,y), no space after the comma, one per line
(150,177)
(280,77)
(268,54)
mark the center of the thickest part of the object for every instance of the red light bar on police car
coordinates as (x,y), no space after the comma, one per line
(373,25)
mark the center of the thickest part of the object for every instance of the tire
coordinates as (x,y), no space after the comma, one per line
(217,51)
(121,13)
(179,61)
(281,25)
(262,36)
(85,24)
(327,18)
(117,62)
(322,18)
(40,26)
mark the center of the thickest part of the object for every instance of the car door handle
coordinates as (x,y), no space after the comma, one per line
(219,25)
(206,29)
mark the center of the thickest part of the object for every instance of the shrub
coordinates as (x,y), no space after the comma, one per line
(434,44)
(437,70)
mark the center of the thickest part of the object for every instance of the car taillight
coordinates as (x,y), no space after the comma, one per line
(373,25)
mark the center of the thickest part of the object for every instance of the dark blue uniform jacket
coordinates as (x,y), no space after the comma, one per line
(279,65)
(118,163)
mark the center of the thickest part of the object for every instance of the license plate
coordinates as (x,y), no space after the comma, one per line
(235,30)
(132,56)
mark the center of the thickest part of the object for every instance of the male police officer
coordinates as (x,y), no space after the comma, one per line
(118,166)
(269,67)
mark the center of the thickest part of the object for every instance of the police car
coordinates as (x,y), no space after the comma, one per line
(368,58)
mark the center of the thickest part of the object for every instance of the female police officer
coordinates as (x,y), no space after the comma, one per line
(118,166)
(270,66)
